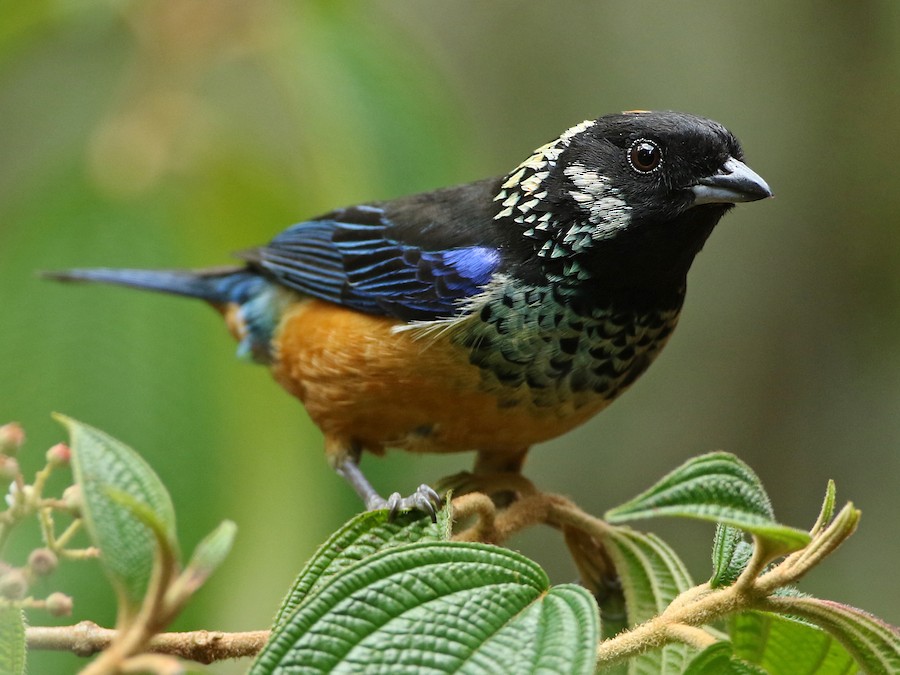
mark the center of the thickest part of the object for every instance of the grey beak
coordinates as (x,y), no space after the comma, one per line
(735,182)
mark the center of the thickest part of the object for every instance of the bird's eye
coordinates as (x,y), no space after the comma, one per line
(644,156)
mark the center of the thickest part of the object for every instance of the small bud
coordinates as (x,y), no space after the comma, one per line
(13,585)
(59,604)
(42,561)
(12,436)
(71,497)
(9,468)
(59,455)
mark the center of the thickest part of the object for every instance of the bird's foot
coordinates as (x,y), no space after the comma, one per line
(424,499)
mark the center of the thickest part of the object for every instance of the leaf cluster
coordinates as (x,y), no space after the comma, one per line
(407,595)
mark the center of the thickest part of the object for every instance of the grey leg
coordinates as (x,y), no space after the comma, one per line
(423,499)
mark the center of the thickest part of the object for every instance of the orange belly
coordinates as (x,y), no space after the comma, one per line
(366,384)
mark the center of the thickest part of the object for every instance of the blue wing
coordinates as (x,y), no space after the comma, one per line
(359,258)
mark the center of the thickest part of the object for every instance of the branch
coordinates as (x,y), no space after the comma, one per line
(691,635)
(87,638)
(684,617)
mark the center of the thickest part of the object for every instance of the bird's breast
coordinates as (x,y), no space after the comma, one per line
(534,347)
(516,371)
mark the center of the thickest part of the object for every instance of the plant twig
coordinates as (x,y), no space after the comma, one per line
(691,635)
(683,619)
(87,638)
(152,617)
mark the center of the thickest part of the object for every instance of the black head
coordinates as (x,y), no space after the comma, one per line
(628,198)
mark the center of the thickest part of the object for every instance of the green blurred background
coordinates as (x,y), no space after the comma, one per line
(170,133)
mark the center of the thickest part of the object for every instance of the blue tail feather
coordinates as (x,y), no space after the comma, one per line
(218,285)
(259,302)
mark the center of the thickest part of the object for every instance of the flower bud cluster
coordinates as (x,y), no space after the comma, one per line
(23,501)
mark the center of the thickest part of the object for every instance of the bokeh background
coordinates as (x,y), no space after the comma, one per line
(170,133)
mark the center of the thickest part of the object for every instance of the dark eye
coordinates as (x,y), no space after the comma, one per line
(644,156)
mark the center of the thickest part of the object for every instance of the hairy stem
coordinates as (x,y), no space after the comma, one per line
(691,635)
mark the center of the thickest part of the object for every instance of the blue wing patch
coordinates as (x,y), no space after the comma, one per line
(358,264)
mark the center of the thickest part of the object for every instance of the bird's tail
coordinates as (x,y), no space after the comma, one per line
(215,285)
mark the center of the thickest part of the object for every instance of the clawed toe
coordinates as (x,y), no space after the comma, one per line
(424,499)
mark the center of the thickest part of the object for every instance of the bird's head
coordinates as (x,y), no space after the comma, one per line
(629,197)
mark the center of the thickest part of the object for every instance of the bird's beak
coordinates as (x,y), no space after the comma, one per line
(734,182)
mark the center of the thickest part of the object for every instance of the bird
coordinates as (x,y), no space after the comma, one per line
(486,317)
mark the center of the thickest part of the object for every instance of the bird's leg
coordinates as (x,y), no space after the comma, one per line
(487,463)
(346,463)
(500,468)
(349,470)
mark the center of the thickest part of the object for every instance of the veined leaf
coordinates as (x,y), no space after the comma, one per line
(361,537)
(717,487)
(730,555)
(873,643)
(719,659)
(105,468)
(652,575)
(784,646)
(146,515)
(12,641)
(438,606)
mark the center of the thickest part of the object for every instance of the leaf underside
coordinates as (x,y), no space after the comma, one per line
(107,469)
(12,641)
(782,645)
(652,575)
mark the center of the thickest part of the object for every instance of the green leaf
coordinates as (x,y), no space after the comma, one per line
(784,646)
(209,554)
(717,487)
(828,537)
(105,468)
(438,606)
(652,575)
(214,548)
(730,555)
(362,536)
(873,643)
(719,659)
(12,641)
(145,515)
(613,613)
(827,511)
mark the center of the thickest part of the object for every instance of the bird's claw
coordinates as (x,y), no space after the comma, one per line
(424,499)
